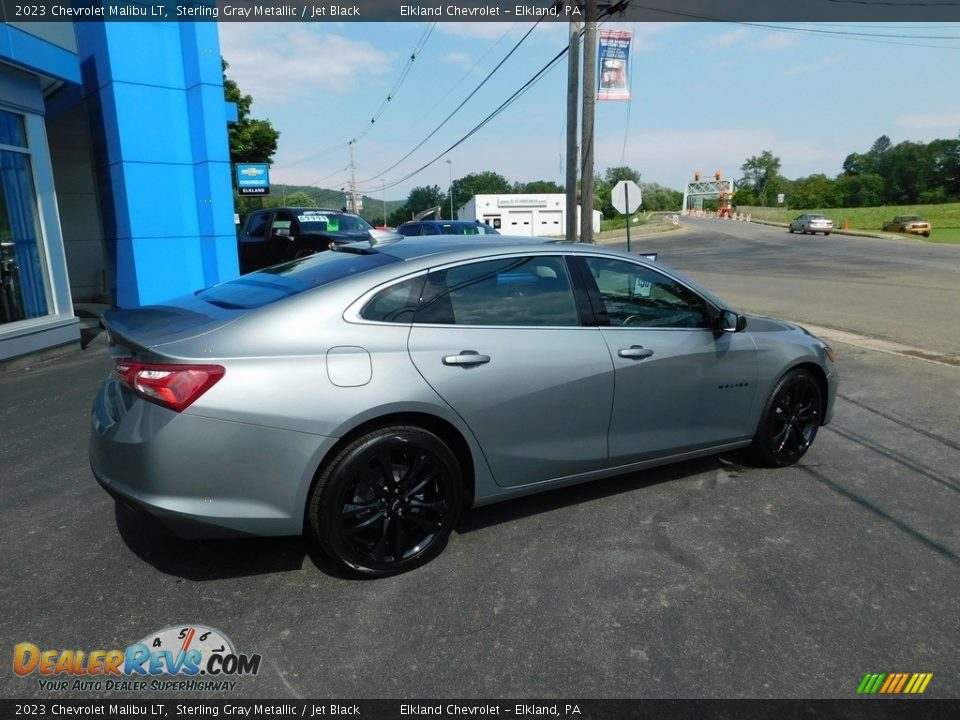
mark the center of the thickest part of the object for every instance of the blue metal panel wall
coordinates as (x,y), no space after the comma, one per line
(156,90)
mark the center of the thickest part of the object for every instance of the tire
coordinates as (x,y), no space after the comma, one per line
(388,501)
(791,230)
(789,421)
(826,234)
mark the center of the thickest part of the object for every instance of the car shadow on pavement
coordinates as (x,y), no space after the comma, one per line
(510,510)
(215,559)
(233,557)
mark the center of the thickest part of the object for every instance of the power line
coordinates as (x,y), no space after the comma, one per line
(458,108)
(509,101)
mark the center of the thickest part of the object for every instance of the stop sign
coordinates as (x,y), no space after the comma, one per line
(625,196)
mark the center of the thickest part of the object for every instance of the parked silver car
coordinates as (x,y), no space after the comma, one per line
(812,224)
(365,396)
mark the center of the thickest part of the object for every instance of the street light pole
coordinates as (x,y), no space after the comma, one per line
(450,168)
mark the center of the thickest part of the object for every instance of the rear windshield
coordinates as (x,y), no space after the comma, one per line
(291,278)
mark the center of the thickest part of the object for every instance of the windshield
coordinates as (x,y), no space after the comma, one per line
(317,221)
(291,278)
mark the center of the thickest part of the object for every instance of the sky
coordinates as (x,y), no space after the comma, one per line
(705,96)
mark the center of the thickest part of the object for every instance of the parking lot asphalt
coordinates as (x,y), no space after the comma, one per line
(706,579)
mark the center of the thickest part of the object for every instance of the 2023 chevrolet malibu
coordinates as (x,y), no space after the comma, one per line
(366,396)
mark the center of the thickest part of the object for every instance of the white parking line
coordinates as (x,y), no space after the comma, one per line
(884,346)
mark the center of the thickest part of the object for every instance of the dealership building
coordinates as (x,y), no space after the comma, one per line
(115,172)
(538,214)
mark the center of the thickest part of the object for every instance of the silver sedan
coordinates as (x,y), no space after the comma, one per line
(367,396)
(812,224)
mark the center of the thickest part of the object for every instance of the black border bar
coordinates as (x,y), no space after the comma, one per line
(479,10)
(172,707)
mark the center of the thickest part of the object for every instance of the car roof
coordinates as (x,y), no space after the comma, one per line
(297,208)
(441,249)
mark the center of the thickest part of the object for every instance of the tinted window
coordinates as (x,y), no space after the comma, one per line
(518,291)
(409,230)
(636,296)
(291,278)
(257,226)
(396,304)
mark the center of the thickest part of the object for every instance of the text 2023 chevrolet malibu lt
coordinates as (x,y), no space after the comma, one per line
(366,396)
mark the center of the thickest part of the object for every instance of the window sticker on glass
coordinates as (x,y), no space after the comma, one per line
(313,217)
(641,287)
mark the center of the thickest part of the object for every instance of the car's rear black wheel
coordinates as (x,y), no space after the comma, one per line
(789,421)
(387,502)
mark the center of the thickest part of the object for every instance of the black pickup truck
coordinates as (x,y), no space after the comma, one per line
(275,235)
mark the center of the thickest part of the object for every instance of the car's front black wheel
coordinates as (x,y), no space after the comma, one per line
(789,421)
(387,502)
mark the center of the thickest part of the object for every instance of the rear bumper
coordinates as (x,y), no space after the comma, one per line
(199,476)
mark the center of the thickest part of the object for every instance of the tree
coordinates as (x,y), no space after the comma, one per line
(603,186)
(251,140)
(658,197)
(484,183)
(537,187)
(761,173)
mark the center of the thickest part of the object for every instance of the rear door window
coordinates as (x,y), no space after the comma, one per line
(526,291)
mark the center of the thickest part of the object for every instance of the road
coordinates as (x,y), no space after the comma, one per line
(702,580)
(897,289)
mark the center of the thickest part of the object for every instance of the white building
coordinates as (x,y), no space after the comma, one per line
(532,215)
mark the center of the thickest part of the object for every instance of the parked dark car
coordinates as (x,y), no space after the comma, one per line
(446,227)
(276,235)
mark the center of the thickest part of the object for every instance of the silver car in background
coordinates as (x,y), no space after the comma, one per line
(366,396)
(811,224)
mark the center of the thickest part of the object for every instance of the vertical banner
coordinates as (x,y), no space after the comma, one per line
(613,83)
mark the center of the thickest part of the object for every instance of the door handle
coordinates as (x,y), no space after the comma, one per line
(635,352)
(466,358)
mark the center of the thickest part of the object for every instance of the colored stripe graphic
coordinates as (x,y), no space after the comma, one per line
(894,683)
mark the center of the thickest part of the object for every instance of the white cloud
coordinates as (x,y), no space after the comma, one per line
(290,62)
(481,30)
(776,41)
(813,67)
(932,121)
(457,58)
(732,37)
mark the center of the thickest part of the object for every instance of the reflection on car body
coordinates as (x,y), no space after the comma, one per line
(275,235)
(366,396)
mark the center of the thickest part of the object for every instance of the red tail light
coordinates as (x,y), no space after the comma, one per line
(172,386)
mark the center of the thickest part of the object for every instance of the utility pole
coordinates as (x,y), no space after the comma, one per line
(353,183)
(589,100)
(573,105)
(450,168)
(383,196)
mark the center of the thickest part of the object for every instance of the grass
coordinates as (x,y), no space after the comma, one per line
(620,222)
(944,218)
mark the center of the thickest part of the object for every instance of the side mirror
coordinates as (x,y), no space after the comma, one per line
(729,321)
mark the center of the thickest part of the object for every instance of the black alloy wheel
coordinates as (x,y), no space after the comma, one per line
(790,420)
(388,501)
